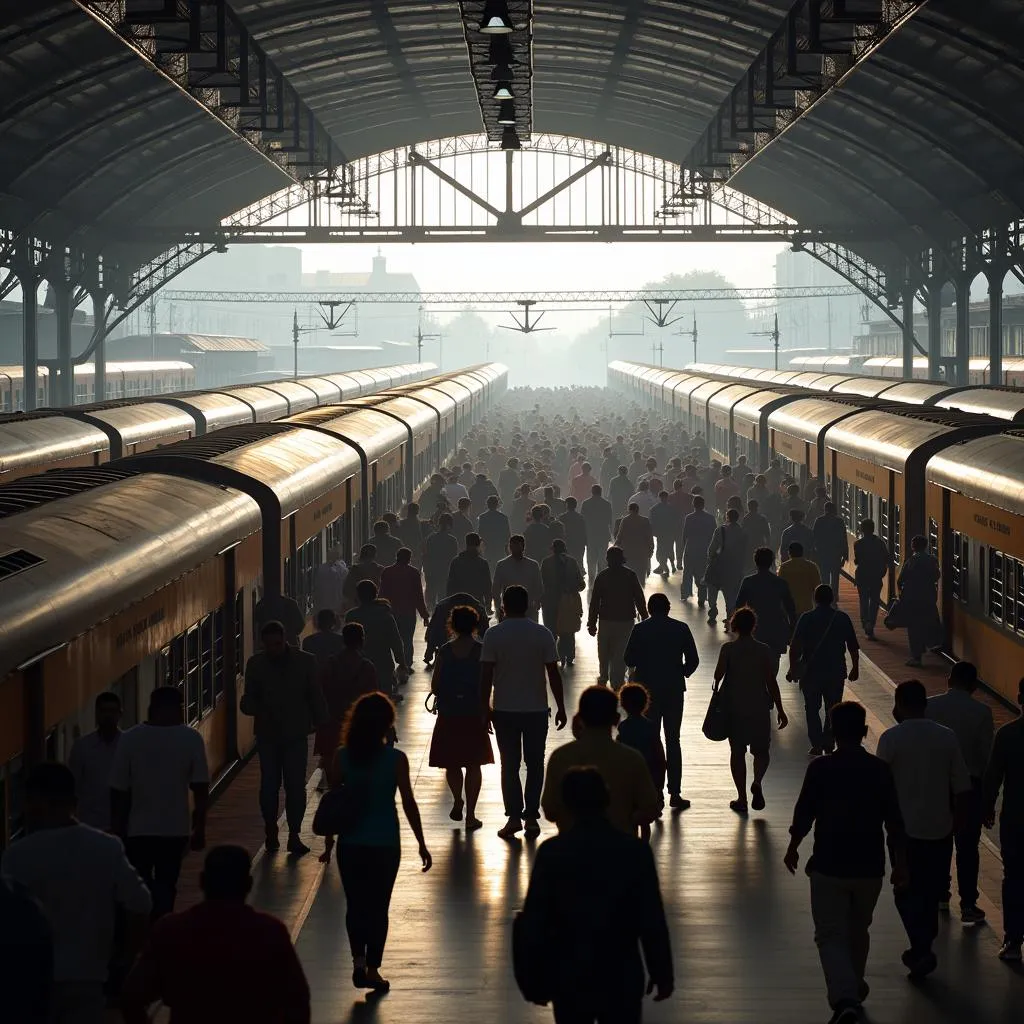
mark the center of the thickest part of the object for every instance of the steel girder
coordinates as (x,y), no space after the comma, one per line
(820,43)
(203,48)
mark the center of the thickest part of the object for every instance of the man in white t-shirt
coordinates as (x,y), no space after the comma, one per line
(518,663)
(91,761)
(931,777)
(156,766)
(83,882)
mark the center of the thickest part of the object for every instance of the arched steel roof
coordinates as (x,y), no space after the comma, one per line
(924,139)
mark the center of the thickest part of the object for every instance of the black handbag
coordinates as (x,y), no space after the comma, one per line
(716,721)
(340,809)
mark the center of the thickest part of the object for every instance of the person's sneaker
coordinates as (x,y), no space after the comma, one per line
(847,1013)
(972,915)
(271,843)
(757,797)
(1010,951)
(919,965)
(511,829)
(532,828)
(296,847)
(739,806)
(678,803)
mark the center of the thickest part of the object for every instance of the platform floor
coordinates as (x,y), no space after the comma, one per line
(741,925)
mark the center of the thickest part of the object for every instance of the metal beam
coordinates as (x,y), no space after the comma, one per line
(203,49)
(600,161)
(421,161)
(458,299)
(815,50)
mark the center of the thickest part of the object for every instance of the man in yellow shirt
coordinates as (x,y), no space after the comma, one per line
(633,799)
(803,578)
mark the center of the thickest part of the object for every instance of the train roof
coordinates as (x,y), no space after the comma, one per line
(295,392)
(75,561)
(29,440)
(988,469)
(414,414)
(806,418)
(916,392)
(889,437)
(134,423)
(265,403)
(375,433)
(217,410)
(866,387)
(438,400)
(1002,403)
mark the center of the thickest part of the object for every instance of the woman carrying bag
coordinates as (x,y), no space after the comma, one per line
(562,607)
(745,682)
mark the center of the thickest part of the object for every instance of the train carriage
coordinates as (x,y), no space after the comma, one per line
(34,441)
(975,507)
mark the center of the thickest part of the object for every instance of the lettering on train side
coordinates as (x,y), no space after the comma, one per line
(860,474)
(138,628)
(993,524)
(323,512)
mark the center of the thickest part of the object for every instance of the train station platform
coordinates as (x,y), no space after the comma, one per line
(741,924)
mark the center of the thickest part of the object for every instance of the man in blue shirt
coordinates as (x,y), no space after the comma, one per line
(661,653)
(817,658)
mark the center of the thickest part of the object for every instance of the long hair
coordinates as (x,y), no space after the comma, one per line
(366,726)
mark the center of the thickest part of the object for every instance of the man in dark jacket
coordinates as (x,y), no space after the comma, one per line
(438,551)
(283,696)
(872,560)
(386,544)
(771,601)
(619,492)
(661,654)
(495,530)
(412,531)
(367,568)
(666,525)
(480,490)
(599,519)
(831,545)
(437,628)
(698,529)
(382,642)
(469,572)
(583,927)
(756,526)
(918,584)
(575,529)
(797,532)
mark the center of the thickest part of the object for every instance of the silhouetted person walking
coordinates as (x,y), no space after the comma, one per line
(662,655)
(831,545)
(698,530)
(599,520)
(771,601)
(575,904)
(615,602)
(848,798)
(918,584)
(872,561)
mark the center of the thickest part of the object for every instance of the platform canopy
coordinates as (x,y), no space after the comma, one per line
(923,138)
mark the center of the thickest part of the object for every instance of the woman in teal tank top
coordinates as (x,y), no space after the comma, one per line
(370,850)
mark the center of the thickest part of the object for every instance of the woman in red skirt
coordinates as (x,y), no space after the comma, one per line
(460,742)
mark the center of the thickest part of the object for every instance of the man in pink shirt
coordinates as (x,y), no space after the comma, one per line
(582,484)
(402,585)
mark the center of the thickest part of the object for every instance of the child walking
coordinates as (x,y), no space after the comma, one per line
(636,730)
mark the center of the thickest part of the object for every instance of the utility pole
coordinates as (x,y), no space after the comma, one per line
(829,302)
(774,335)
(421,337)
(659,351)
(692,334)
(295,342)
(152,326)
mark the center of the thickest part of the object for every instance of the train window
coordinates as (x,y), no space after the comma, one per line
(863,506)
(239,630)
(193,679)
(206,665)
(933,537)
(1019,595)
(846,505)
(996,595)
(895,544)
(959,582)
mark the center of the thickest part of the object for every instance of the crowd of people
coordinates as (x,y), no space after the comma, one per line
(556,511)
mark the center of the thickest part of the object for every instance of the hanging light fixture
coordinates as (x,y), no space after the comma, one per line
(510,139)
(496,20)
(503,91)
(506,112)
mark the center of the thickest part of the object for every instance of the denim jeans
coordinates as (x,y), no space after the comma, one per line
(819,692)
(521,736)
(966,841)
(666,712)
(283,763)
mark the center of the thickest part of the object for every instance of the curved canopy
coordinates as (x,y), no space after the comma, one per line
(923,139)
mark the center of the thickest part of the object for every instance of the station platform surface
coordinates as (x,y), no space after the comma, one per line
(741,924)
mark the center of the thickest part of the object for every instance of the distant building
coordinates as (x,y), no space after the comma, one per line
(279,268)
(12,332)
(818,324)
(218,359)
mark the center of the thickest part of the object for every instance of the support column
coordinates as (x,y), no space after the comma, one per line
(962,346)
(65,369)
(30,337)
(995,324)
(908,331)
(99,333)
(934,306)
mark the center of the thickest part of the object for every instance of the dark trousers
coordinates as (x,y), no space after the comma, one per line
(820,693)
(283,763)
(918,900)
(595,553)
(158,862)
(406,622)
(666,712)
(1011,844)
(521,736)
(628,1009)
(870,595)
(665,551)
(831,573)
(966,840)
(691,576)
(368,876)
(434,584)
